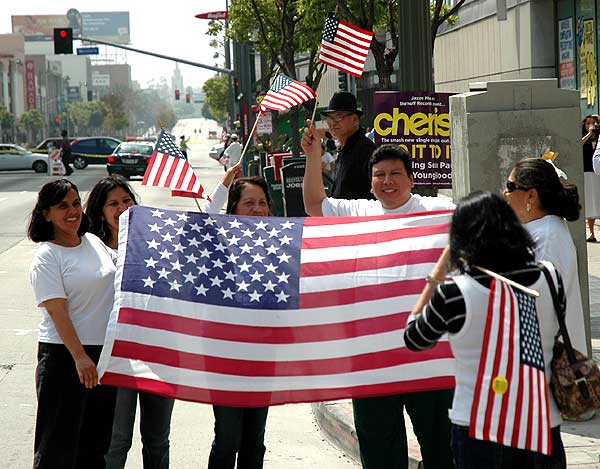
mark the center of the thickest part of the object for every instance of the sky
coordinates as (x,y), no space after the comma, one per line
(167,28)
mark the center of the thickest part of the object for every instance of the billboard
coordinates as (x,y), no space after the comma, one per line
(30,90)
(109,26)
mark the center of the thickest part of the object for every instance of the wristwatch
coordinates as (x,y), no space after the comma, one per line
(432,280)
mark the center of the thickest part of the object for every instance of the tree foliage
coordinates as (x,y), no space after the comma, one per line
(218,97)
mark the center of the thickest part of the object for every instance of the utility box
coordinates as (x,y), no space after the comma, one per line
(498,123)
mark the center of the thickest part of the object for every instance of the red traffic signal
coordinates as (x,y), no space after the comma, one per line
(63,40)
(57,120)
(176,95)
(187,98)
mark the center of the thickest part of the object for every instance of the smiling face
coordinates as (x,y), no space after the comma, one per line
(66,218)
(390,183)
(253,202)
(117,201)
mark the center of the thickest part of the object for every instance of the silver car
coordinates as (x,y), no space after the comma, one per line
(14,157)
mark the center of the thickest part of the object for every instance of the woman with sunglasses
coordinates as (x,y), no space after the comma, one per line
(542,202)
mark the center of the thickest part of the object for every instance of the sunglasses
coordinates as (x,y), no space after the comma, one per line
(512,186)
(336,117)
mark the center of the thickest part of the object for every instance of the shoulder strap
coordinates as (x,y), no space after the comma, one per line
(560,305)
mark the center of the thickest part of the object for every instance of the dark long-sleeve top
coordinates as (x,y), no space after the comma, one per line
(446,311)
(353,180)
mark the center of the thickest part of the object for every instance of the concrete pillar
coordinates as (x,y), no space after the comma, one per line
(499,123)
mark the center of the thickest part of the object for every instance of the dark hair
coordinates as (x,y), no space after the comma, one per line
(485,231)
(52,193)
(391,152)
(235,191)
(95,204)
(583,121)
(557,197)
(64,133)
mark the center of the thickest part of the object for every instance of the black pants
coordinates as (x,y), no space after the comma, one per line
(381,431)
(73,424)
(66,160)
(470,453)
(238,431)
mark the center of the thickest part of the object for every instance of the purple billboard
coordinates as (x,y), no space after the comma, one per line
(420,123)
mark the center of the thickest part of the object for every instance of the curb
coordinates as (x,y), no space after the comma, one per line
(336,421)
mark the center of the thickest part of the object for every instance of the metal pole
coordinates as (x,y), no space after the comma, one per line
(415,70)
(228,66)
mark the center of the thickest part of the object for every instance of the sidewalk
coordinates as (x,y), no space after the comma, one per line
(581,439)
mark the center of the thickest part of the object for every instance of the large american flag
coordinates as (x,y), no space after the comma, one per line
(247,311)
(510,406)
(169,168)
(344,46)
(285,93)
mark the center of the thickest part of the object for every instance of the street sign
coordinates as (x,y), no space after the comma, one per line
(213,15)
(88,50)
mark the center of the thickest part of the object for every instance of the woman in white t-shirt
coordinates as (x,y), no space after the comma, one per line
(72,274)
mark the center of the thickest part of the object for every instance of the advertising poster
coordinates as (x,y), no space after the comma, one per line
(419,123)
(587,60)
(566,46)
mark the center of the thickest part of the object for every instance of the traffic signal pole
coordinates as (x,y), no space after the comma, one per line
(415,70)
(154,54)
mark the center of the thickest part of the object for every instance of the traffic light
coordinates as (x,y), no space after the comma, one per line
(63,40)
(342,81)
(176,95)
(187,98)
(57,120)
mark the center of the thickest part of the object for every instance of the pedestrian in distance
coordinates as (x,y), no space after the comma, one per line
(379,421)
(233,152)
(72,274)
(542,202)
(590,129)
(183,146)
(485,232)
(65,152)
(108,199)
(240,431)
(353,180)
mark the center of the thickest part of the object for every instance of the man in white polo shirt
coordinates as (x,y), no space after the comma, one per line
(379,421)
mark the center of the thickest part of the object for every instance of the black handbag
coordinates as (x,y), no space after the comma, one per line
(575,379)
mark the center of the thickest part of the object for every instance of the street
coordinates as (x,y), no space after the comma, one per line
(293,439)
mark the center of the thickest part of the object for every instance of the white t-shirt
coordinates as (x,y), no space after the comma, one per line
(218,197)
(553,243)
(84,276)
(327,158)
(233,152)
(364,207)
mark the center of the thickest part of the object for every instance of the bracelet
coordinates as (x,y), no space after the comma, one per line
(432,280)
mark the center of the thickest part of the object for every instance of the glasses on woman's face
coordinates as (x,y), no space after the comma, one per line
(511,186)
(336,117)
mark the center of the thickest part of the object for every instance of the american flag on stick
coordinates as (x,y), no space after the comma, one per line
(286,93)
(169,168)
(247,311)
(344,46)
(510,405)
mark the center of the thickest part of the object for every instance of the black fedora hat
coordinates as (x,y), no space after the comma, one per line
(342,102)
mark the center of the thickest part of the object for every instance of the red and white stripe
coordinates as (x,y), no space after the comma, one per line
(293,94)
(360,277)
(175,173)
(519,417)
(349,49)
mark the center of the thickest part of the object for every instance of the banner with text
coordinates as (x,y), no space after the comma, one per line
(420,123)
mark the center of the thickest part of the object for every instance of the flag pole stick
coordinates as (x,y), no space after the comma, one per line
(250,135)
(529,291)
(312,118)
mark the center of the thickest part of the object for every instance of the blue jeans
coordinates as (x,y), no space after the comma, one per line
(238,431)
(155,426)
(73,424)
(470,453)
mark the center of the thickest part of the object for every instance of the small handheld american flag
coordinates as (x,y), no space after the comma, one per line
(169,168)
(344,46)
(286,93)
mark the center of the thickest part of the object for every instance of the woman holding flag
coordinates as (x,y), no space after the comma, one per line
(501,330)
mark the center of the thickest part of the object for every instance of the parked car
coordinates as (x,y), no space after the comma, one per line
(212,134)
(130,159)
(13,157)
(92,150)
(217,151)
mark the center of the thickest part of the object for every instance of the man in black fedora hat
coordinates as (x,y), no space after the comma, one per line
(353,180)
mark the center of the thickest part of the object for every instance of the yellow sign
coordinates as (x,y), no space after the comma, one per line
(587,63)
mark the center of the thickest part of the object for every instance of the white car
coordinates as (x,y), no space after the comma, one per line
(217,151)
(14,157)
